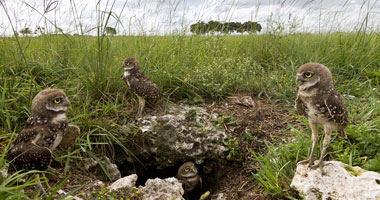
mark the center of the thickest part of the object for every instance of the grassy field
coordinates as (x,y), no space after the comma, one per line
(194,69)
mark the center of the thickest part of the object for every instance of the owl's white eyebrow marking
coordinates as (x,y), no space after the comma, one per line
(308,84)
(129,68)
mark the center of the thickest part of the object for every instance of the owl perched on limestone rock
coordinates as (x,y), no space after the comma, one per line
(319,101)
(141,85)
(45,129)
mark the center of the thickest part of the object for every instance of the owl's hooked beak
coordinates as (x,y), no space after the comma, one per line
(300,79)
(67,102)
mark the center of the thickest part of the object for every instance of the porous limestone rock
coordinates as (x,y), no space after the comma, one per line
(185,132)
(220,196)
(340,181)
(94,167)
(4,171)
(162,189)
(67,197)
(125,182)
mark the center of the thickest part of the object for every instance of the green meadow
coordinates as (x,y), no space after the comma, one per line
(193,69)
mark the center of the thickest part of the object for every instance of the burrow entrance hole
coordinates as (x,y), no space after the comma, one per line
(209,180)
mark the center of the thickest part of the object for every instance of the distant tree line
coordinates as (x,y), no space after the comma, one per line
(110,30)
(197,28)
(39,30)
(226,27)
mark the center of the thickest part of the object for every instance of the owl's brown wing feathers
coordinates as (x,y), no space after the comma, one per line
(144,87)
(336,108)
(25,136)
(29,156)
(44,133)
(300,106)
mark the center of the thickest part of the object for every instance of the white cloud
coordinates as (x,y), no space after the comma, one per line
(164,16)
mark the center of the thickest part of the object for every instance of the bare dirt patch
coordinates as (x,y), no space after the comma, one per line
(257,122)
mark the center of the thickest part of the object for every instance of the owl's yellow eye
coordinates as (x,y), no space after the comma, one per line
(127,63)
(57,100)
(308,74)
(187,170)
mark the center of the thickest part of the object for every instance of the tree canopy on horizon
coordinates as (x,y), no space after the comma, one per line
(227,27)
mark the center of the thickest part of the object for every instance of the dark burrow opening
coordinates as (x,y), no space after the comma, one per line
(209,171)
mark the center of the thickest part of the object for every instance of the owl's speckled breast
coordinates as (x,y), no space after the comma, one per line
(317,112)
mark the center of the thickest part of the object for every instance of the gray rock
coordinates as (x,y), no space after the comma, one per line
(4,170)
(125,182)
(341,181)
(68,197)
(185,132)
(162,189)
(221,196)
(94,167)
(88,163)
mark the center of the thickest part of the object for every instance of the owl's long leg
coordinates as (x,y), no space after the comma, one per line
(326,142)
(141,105)
(314,132)
(41,186)
(342,133)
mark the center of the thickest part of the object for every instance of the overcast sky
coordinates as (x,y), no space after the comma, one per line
(168,16)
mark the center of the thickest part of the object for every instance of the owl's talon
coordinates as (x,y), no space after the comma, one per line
(308,161)
(303,162)
(319,164)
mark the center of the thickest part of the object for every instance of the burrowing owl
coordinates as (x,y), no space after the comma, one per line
(43,133)
(189,177)
(141,85)
(319,101)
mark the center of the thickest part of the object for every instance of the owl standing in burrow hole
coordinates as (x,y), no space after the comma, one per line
(318,100)
(188,175)
(45,130)
(141,85)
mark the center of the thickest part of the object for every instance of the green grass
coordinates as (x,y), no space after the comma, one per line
(190,68)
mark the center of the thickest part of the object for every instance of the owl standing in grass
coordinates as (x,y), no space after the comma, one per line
(45,130)
(141,85)
(319,101)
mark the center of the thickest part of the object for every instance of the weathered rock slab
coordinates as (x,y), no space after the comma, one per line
(340,181)
(221,196)
(162,189)
(183,133)
(62,193)
(94,167)
(125,182)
